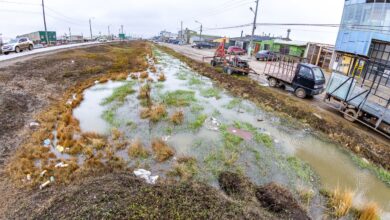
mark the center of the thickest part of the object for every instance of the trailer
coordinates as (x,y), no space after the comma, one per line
(362,94)
(304,79)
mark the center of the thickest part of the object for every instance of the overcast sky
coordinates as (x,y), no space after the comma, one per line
(147,17)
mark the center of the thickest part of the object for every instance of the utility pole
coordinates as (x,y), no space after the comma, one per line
(122,28)
(70,35)
(109,36)
(44,22)
(254,27)
(90,28)
(242,33)
(201,29)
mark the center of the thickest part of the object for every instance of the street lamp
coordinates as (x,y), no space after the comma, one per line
(201,29)
(90,26)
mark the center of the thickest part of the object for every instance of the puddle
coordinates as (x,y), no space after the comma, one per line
(261,161)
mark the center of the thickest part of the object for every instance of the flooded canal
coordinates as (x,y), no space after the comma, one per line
(222,132)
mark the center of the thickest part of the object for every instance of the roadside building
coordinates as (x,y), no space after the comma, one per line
(244,42)
(289,47)
(364,31)
(64,39)
(39,37)
(166,36)
(320,55)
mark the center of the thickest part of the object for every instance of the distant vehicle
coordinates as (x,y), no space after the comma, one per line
(236,50)
(305,79)
(201,45)
(265,55)
(102,40)
(17,45)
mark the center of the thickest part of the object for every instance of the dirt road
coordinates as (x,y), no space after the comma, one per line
(316,102)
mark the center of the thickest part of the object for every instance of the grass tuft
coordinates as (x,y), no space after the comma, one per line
(144,75)
(340,202)
(162,150)
(137,150)
(177,118)
(161,77)
(211,92)
(370,212)
(179,98)
(119,94)
(198,123)
(157,113)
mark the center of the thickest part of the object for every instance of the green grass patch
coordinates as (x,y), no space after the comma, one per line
(119,94)
(301,169)
(231,141)
(381,173)
(260,138)
(198,122)
(233,104)
(195,81)
(210,92)
(179,98)
(109,116)
(181,76)
(196,108)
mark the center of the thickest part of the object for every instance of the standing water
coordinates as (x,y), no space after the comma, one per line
(267,155)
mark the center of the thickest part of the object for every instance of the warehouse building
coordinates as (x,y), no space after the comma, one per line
(39,37)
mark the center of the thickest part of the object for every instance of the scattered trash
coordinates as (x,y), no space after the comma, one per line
(166,138)
(46,143)
(72,61)
(212,124)
(317,115)
(28,177)
(52,179)
(43,173)
(366,161)
(276,141)
(96,82)
(241,133)
(34,125)
(146,175)
(69,102)
(260,119)
(43,185)
(61,165)
(60,148)
(74,96)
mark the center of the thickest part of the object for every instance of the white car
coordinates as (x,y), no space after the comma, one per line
(17,45)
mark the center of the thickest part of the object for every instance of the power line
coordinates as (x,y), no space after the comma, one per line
(20,3)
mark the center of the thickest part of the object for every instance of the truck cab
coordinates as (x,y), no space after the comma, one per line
(309,80)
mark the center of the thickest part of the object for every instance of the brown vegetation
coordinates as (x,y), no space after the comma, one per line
(161,149)
(161,77)
(144,75)
(177,118)
(340,202)
(369,212)
(137,150)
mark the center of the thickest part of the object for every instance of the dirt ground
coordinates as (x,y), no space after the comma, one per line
(31,86)
(351,136)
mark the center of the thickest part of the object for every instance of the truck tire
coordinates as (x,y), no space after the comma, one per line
(31,47)
(213,63)
(6,53)
(300,93)
(350,114)
(17,49)
(272,82)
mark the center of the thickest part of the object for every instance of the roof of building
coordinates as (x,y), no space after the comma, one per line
(292,42)
(249,38)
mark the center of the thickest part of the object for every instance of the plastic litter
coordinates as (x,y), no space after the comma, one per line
(43,185)
(43,173)
(241,133)
(166,138)
(28,177)
(61,165)
(60,148)
(34,125)
(212,124)
(146,175)
(46,142)
(260,119)
(96,82)
(52,179)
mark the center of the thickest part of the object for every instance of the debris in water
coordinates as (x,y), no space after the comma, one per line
(28,177)
(260,119)
(317,115)
(240,111)
(146,175)
(61,165)
(276,141)
(165,138)
(52,179)
(46,143)
(96,82)
(212,124)
(43,185)
(241,133)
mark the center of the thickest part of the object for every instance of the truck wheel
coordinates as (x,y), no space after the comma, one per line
(6,53)
(300,93)
(229,71)
(30,47)
(17,49)
(272,82)
(350,114)
(213,63)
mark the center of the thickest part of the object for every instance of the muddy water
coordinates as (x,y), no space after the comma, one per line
(261,163)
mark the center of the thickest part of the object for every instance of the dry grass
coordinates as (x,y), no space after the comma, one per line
(134,75)
(158,112)
(145,113)
(177,118)
(162,151)
(116,134)
(137,150)
(340,202)
(370,212)
(186,168)
(120,76)
(161,77)
(150,79)
(144,91)
(153,69)
(144,75)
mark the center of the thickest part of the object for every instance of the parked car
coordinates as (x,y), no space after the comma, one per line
(201,45)
(266,55)
(17,45)
(236,50)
